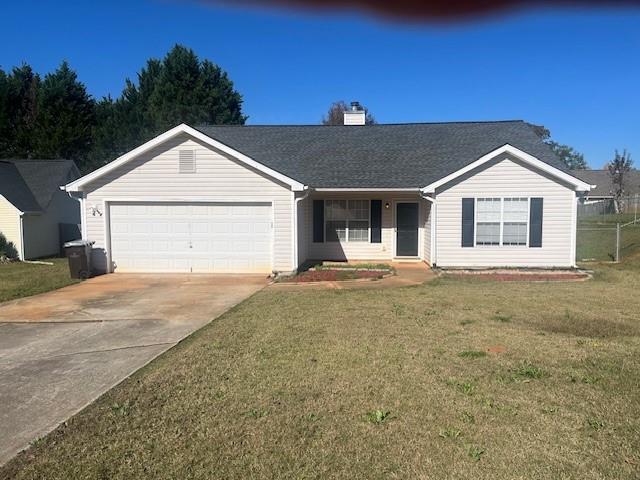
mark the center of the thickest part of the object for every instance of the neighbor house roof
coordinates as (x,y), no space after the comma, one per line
(377,156)
(30,184)
(604,185)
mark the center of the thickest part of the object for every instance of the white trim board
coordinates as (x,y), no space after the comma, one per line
(77,185)
(577,184)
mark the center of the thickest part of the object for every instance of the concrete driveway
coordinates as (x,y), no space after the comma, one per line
(61,350)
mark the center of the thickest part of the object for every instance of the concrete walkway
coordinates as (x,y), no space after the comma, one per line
(61,350)
(407,274)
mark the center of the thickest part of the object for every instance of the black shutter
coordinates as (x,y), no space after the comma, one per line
(535,222)
(468,209)
(318,221)
(376,221)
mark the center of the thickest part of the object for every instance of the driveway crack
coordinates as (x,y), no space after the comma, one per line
(89,352)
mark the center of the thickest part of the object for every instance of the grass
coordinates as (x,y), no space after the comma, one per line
(299,384)
(472,354)
(596,239)
(18,279)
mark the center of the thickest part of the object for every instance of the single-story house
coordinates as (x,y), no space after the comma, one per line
(269,198)
(34,212)
(603,185)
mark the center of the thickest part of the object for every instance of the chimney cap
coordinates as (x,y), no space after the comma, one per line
(355,115)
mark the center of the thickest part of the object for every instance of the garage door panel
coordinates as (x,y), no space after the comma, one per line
(171,237)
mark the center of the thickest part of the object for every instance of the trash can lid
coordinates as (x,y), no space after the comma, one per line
(79,243)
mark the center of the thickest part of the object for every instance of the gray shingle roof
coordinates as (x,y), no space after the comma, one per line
(377,156)
(604,185)
(30,184)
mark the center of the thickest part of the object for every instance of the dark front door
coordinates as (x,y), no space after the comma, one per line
(407,229)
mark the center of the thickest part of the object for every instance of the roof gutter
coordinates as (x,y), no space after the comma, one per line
(372,189)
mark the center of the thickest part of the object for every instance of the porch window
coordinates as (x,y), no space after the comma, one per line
(502,221)
(346,220)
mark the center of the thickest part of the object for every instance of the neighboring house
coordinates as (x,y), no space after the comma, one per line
(269,198)
(604,188)
(32,205)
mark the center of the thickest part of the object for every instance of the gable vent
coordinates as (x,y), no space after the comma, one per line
(187,161)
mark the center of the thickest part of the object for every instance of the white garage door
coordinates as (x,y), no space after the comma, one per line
(191,237)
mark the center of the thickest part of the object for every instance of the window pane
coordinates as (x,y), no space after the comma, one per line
(336,230)
(488,210)
(359,209)
(335,209)
(516,210)
(488,234)
(514,234)
(358,231)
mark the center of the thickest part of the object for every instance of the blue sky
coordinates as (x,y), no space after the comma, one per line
(576,72)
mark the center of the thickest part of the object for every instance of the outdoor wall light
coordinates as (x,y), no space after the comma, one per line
(95,211)
(386,205)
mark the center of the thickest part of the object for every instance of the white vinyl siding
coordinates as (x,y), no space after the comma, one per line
(10,224)
(153,176)
(506,178)
(42,231)
(345,250)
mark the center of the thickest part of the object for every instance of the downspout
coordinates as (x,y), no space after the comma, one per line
(81,201)
(295,227)
(22,255)
(433,252)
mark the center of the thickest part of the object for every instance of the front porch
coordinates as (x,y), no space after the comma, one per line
(357,226)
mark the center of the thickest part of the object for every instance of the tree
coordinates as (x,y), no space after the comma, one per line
(335,114)
(177,89)
(19,112)
(66,117)
(618,168)
(57,118)
(5,125)
(571,158)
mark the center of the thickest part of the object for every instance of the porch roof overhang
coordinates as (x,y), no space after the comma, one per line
(371,189)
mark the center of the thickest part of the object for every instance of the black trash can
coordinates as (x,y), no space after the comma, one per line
(79,254)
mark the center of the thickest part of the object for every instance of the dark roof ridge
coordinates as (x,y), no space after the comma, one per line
(284,125)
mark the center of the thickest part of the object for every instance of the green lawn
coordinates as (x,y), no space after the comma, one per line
(596,237)
(18,279)
(376,384)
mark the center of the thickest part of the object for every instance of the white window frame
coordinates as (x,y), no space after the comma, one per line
(501,243)
(346,240)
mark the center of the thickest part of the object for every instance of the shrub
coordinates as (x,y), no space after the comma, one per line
(7,248)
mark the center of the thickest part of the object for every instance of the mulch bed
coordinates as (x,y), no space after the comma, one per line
(335,275)
(526,277)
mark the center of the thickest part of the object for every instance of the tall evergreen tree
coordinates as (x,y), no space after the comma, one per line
(22,110)
(66,117)
(177,89)
(5,125)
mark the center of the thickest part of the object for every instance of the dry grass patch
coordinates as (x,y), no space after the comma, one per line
(370,384)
